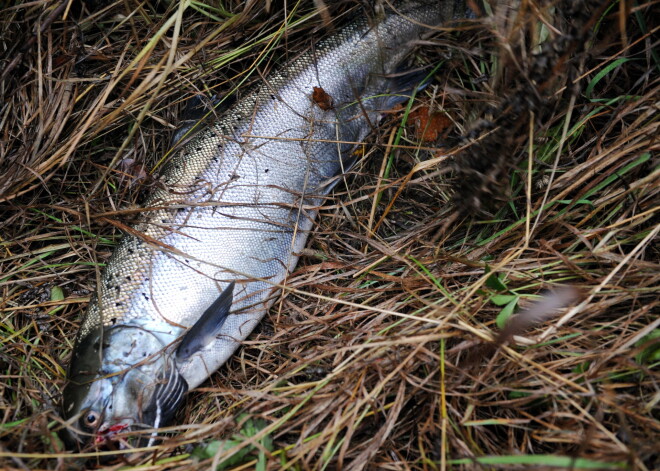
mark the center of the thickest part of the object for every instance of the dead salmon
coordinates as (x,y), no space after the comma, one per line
(231,214)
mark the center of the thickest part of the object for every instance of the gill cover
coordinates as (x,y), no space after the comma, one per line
(120,379)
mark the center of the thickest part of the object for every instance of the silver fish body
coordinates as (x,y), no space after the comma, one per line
(236,204)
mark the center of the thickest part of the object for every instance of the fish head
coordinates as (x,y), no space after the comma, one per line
(122,380)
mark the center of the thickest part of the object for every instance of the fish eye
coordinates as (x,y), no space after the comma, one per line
(91,419)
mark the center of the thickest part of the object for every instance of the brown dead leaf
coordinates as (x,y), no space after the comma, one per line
(429,126)
(322,99)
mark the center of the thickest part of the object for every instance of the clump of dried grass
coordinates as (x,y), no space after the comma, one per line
(383,353)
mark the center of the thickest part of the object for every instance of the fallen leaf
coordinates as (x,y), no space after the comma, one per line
(429,126)
(322,99)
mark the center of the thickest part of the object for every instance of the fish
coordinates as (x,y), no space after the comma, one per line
(226,223)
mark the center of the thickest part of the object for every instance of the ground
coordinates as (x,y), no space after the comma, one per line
(526,169)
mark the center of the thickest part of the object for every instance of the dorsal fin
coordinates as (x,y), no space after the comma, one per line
(207,327)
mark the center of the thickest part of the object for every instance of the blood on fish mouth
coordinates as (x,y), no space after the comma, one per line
(104,435)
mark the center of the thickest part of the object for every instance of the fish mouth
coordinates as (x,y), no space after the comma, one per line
(109,435)
(123,436)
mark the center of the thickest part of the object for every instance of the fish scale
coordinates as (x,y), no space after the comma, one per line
(237,203)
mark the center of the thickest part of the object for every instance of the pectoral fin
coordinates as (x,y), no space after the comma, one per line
(205,330)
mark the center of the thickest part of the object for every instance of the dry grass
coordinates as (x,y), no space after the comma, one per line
(384,353)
